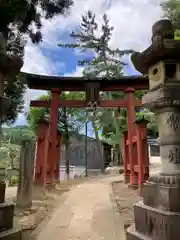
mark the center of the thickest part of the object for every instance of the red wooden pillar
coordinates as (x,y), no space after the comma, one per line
(52,133)
(145,148)
(142,151)
(126,158)
(131,117)
(40,165)
(58,154)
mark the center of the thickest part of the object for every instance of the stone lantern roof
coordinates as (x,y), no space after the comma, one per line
(163,47)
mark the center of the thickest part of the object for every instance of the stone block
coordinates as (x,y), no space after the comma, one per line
(156,223)
(6,216)
(161,196)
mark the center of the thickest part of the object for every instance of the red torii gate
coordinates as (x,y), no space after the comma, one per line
(57,84)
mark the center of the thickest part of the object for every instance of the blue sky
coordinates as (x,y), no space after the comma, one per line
(131,31)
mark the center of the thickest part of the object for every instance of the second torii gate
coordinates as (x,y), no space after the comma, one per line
(92,89)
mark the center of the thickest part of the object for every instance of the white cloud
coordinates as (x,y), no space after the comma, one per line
(36,62)
(132,21)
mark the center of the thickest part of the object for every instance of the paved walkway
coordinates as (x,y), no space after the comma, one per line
(88,213)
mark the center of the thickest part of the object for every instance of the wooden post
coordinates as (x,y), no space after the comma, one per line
(140,155)
(58,152)
(24,192)
(126,160)
(131,117)
(145,149)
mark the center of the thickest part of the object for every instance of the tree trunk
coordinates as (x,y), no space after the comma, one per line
(24,192)
(116,124)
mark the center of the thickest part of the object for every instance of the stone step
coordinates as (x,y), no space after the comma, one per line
(157,223)
(6,216)
(11,234)
(132,234)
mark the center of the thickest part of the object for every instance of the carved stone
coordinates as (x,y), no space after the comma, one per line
(161,196)
(156,223)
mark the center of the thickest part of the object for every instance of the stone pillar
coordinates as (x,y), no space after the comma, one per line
(157,217)
(24,193)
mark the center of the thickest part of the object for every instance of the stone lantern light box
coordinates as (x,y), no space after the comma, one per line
(162,72)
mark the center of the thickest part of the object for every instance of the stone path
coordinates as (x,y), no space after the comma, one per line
(88,213)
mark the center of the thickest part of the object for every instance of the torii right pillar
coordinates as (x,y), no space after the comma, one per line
(157,216)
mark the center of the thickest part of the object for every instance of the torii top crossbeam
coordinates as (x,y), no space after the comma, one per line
(41,82)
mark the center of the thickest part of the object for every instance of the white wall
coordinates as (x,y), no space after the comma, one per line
(154,159)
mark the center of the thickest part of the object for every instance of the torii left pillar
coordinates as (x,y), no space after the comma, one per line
(52,136)
(40,169)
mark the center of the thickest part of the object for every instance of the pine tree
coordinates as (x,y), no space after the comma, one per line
(106,62)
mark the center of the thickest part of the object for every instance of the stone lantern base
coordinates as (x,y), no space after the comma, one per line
(157,216)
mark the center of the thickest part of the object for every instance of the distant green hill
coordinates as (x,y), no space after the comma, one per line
(17,133)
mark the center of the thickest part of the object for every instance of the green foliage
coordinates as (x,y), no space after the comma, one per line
(37,114)
(171,10)
(20,18)
(14,90)
(69,118)
(25,16)
(9,155)
(11,143)
(14,180)
(17,134)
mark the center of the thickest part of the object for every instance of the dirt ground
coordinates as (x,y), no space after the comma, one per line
(101,196)
(125,199)
(108,189)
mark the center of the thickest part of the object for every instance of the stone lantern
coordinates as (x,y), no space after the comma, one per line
(157,216)
(10,65)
